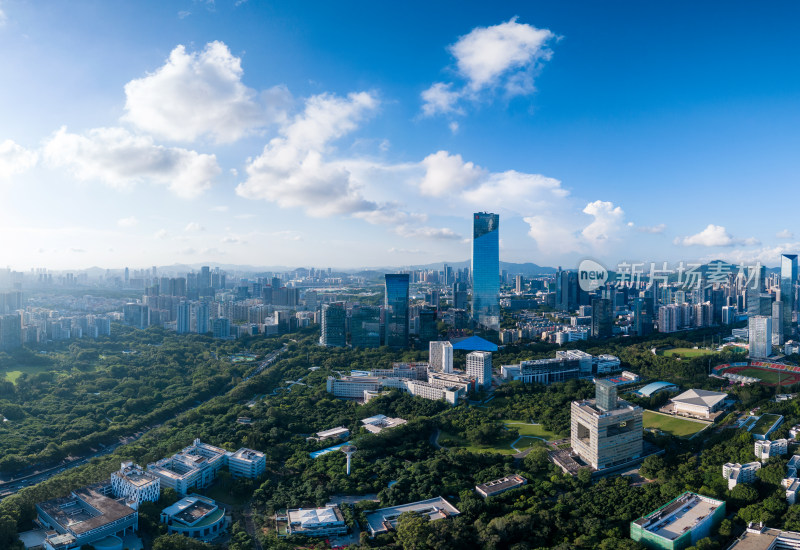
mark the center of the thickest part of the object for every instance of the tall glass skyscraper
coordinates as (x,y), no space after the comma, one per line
(396,305)
(788,281)
(486,270)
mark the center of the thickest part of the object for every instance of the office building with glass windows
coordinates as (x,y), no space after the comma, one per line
(396,305)
(486,270)
(788,282)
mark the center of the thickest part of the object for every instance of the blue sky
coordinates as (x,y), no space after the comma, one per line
(366,133)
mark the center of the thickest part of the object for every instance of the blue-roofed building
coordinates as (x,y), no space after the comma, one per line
(654,387)
(473,343)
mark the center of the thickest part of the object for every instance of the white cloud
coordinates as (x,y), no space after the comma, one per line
(120,159)
(785,234)
(607,224)
(501,57)
(552,236)
(446,173)
(423,232)
(440,99)
(15,159)
(200,94)
(653,229)
(488,54)
(161,234)
(127,222)
(453,127)
(292,170)
(714,235)
(194,227)
(517,191)
(219,208)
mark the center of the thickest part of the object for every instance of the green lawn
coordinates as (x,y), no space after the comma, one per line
(503,446)
(685,352)
(679,427)
(766,376)
(536,430)
(764,423)
(12,375)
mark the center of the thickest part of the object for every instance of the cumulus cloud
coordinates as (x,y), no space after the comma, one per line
(15,159)
(714,235)
(441,98)
(445,173)
(292,171)
(120,159)
(608,222)
(200,94)
(161,234)
(127,222)
(517,191)
(785,234)
(503,57)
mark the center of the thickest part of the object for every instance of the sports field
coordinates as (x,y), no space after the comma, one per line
(679,427)
(686,352)
(768,377)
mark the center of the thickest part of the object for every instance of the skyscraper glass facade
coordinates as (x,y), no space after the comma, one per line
(788,281)
(396,305)
(486,270)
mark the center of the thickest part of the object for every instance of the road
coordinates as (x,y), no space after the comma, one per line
(13,485)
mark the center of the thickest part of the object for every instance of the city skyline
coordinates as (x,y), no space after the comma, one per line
(252,134)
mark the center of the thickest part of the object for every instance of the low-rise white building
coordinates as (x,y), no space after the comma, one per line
(247,463)
(135,485)
(740,473)
(195,516)
(766,448)
(379,422)
(316,522)
(699,403)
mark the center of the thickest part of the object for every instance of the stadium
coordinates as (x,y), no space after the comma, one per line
(767,372)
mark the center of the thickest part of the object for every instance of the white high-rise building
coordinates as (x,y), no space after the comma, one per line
(668,318)
(760,333)
(440,357)
(479,367)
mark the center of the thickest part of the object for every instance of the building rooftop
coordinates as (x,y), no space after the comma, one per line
(384,519)
(701,398)
(678,516)
(315,518)
(248,455)
(134,474)
(380,422)
(590,406)
(84,510)
(655,387)
(500,485)
(333,432)
(192,510)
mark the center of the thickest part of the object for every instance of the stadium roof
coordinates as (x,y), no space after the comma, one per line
(702,398)
(655,387)
(473,343)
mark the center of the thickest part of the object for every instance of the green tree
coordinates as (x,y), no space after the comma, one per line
(412,531)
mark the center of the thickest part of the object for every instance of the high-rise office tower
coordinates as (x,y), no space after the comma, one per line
(333,332)
(567,290)
(668,318)
(788,282)
(754,288)
(440,356)
(519,284)
(184,317)
(365,326)
(760,333)
(396,305)
(479,368)
(486,270)
(643,316)
(602,318)
(460,296)
(427,326)
(777,322)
